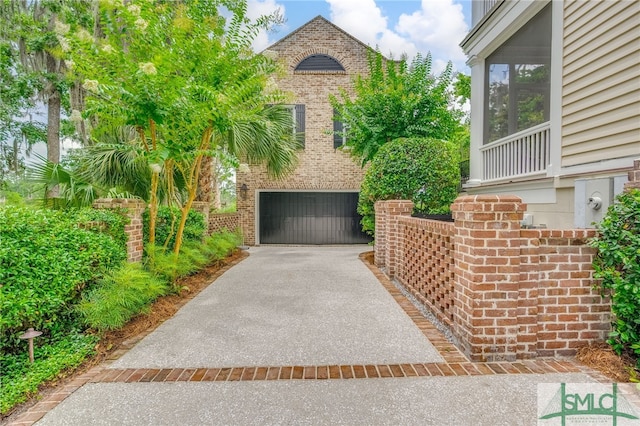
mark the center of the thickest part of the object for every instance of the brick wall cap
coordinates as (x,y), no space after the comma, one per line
(487,198)
(396,201)
(230,214)
(118,201)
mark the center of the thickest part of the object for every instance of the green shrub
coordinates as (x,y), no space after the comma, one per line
(167,225)
(193,255)
(12,198)
(221,244)
(46,258)
(21,379)
(423,170)
(617,264)
(119,295)
(165,264)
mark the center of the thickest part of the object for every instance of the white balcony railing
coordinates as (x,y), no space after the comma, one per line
(522,154)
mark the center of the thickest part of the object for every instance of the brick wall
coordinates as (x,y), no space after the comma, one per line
(569,310)
(427,267)
(134,209)
(506,293)
(320,167)
(221,221)
(133,229)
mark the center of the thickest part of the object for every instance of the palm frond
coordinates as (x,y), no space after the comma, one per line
(73,191)
(265,137)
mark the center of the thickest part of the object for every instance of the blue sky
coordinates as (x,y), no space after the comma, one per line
(395,26)
(300,11)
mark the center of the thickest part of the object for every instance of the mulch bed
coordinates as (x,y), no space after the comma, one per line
(601,357)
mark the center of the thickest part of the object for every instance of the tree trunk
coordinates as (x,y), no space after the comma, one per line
(53,127)
(216,202)
(205,184)
(192,182)
(153,207)
(53,120)
(208,189)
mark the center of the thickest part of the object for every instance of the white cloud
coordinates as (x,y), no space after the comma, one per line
(257,8)
(437,27)
(364,20)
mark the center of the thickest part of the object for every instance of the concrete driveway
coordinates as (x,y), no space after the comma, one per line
(304,335)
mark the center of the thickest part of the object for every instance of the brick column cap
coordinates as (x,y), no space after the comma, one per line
(380,202)
(486,198)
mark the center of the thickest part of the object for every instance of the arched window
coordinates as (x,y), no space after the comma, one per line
(319,62)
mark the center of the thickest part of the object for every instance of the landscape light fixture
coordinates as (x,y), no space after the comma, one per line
(30,335)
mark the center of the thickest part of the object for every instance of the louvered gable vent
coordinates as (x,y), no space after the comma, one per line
(319,63)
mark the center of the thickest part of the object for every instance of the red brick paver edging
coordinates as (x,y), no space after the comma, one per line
(330,372)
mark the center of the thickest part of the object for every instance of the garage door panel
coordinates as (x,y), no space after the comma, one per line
(310,218)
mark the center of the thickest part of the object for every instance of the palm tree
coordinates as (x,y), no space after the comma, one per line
(262,137)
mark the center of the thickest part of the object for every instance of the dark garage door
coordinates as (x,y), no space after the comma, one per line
(310,218)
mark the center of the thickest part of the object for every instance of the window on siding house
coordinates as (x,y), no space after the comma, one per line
(339,131)
(517,86)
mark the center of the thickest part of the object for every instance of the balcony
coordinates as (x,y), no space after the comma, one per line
(522,154)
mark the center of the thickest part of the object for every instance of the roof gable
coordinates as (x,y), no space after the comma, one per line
(319,20)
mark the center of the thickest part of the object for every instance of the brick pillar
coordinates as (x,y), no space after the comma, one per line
(487,275)
(528,293)
(380,237)
(204,208)
(634,177)
(133,209)
(395,209)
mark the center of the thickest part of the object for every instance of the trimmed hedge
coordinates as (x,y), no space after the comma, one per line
(425,171)
(46,259)
(618,266)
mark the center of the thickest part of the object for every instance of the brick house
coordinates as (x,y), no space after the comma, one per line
(555,104)
(317,203)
